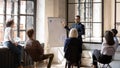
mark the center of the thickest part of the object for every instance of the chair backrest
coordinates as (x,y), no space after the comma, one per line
(105,59)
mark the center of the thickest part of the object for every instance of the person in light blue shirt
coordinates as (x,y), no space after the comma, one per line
(114,31)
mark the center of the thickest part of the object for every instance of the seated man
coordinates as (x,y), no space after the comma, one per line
(36,51)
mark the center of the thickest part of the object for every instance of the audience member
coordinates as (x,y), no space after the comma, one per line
(73,48)
(10,42)
(108,44)
(34,47)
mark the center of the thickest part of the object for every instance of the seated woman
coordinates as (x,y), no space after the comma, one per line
(73,48)
(11,44)
(34,47)
(108,49)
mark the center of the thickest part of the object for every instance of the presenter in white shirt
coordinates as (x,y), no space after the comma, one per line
(11,44)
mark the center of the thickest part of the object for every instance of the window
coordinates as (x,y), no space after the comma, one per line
(22,11)
(91,14)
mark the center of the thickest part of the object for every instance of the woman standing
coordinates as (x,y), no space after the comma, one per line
(11,44)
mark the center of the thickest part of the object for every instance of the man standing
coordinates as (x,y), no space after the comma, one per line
(80,27)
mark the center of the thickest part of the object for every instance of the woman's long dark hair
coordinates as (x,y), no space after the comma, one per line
(109,38)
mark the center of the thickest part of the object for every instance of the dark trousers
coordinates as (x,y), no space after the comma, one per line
(17,50)
(95,56)
(46,56)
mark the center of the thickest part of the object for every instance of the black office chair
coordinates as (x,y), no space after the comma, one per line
(105,61)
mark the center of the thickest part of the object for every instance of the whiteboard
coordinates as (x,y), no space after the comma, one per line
(56,32)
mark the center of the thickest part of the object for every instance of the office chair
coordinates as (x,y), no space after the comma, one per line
(106,59)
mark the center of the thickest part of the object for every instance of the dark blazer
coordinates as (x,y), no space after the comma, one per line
(73,49)
(80,28)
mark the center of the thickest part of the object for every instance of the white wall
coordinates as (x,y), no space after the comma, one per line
(45,9)
(108,14)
